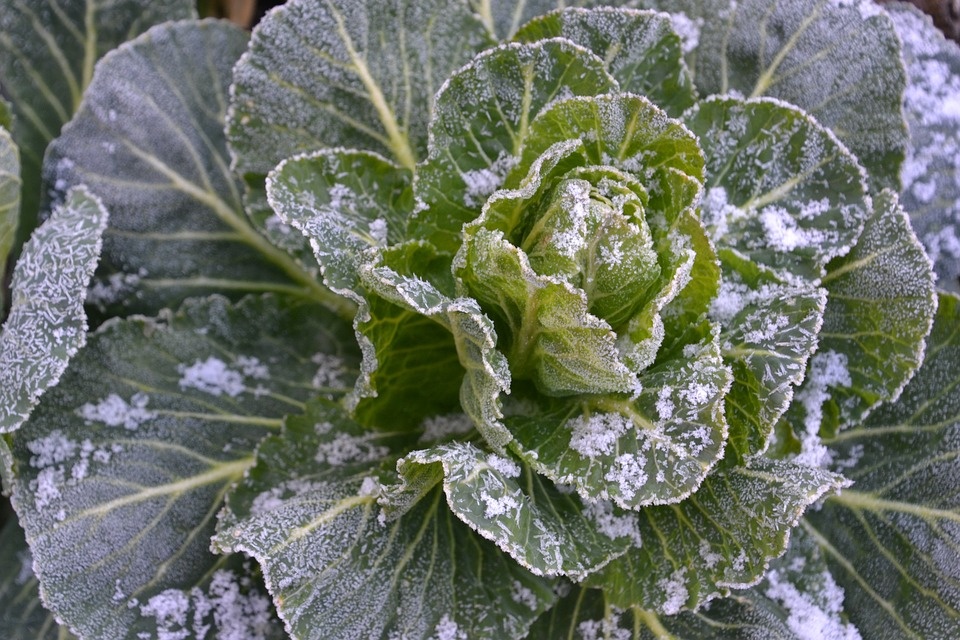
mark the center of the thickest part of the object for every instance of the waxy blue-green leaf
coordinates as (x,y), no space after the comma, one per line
(503,18)
(769,331)
(931,172)
(505,501)
(330,73)
(47,323)
(23,614)
(891,541)
(480,122)
(122,469)
(838,61)
(586,614)
(639,48)
(148,140)
(801,586)
(48,50)
(780,188)
(655,447)
(483,373)
(308,513)
(880,307)
(10,183)
(721,538)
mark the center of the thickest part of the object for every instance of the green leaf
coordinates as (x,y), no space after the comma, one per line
(344,202)
(639,48)
(47,54)
(308,513)
(839,61)
(148,139)
(891,542)
(721,538)
(346,74)
(6,114)
(780,188)
(586,614)
(503,18)
(880,308)
(655,447)
(931,189)
(801,585)
(23,614)
(770,330)
(47,323)
(480,122)
(483,373)
(10,183)
(121,470)
(548,532)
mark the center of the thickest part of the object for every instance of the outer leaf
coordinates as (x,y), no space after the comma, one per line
(547,532)
(586,614)
(23,615)
(307,511)
(880,308)
(119,473)
(839,61)
(503,18)
(9,200)
(47,324)
(148,139)
(719,539)
(931,173)
(481,121)
(892,541)
(769,331)
(801,583)
(6,114)
(640,50)
(352,74)
(653,448)
(47,53)
(780,187)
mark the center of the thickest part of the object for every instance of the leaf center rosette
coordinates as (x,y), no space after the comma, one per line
(581,261)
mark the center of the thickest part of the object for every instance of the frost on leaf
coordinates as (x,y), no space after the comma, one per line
(10,184)
(47,323)
(931,172)
(721,538)
(327,549)
(504,501)
(890,539)
(107,475)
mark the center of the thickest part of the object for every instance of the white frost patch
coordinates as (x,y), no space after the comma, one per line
(782,231)
(710,557)
(448,629)
(330,371)
(52,449)
(278,495)
(481,183)
(597,435)
(370,487)
(103,293)
(348,449)
(378,231)
(601,513)
(688,30)
(867,8)
(524,595)
(627,474)
(675,589)
(504,466)
(235,615)
(442,427)
(26,567)
(252,368)
(808,618)
(497,506)
(827,369)
(51,455)
(114,411)
(665,406)
(211,376)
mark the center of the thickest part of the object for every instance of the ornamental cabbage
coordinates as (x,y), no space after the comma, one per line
(493,320)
